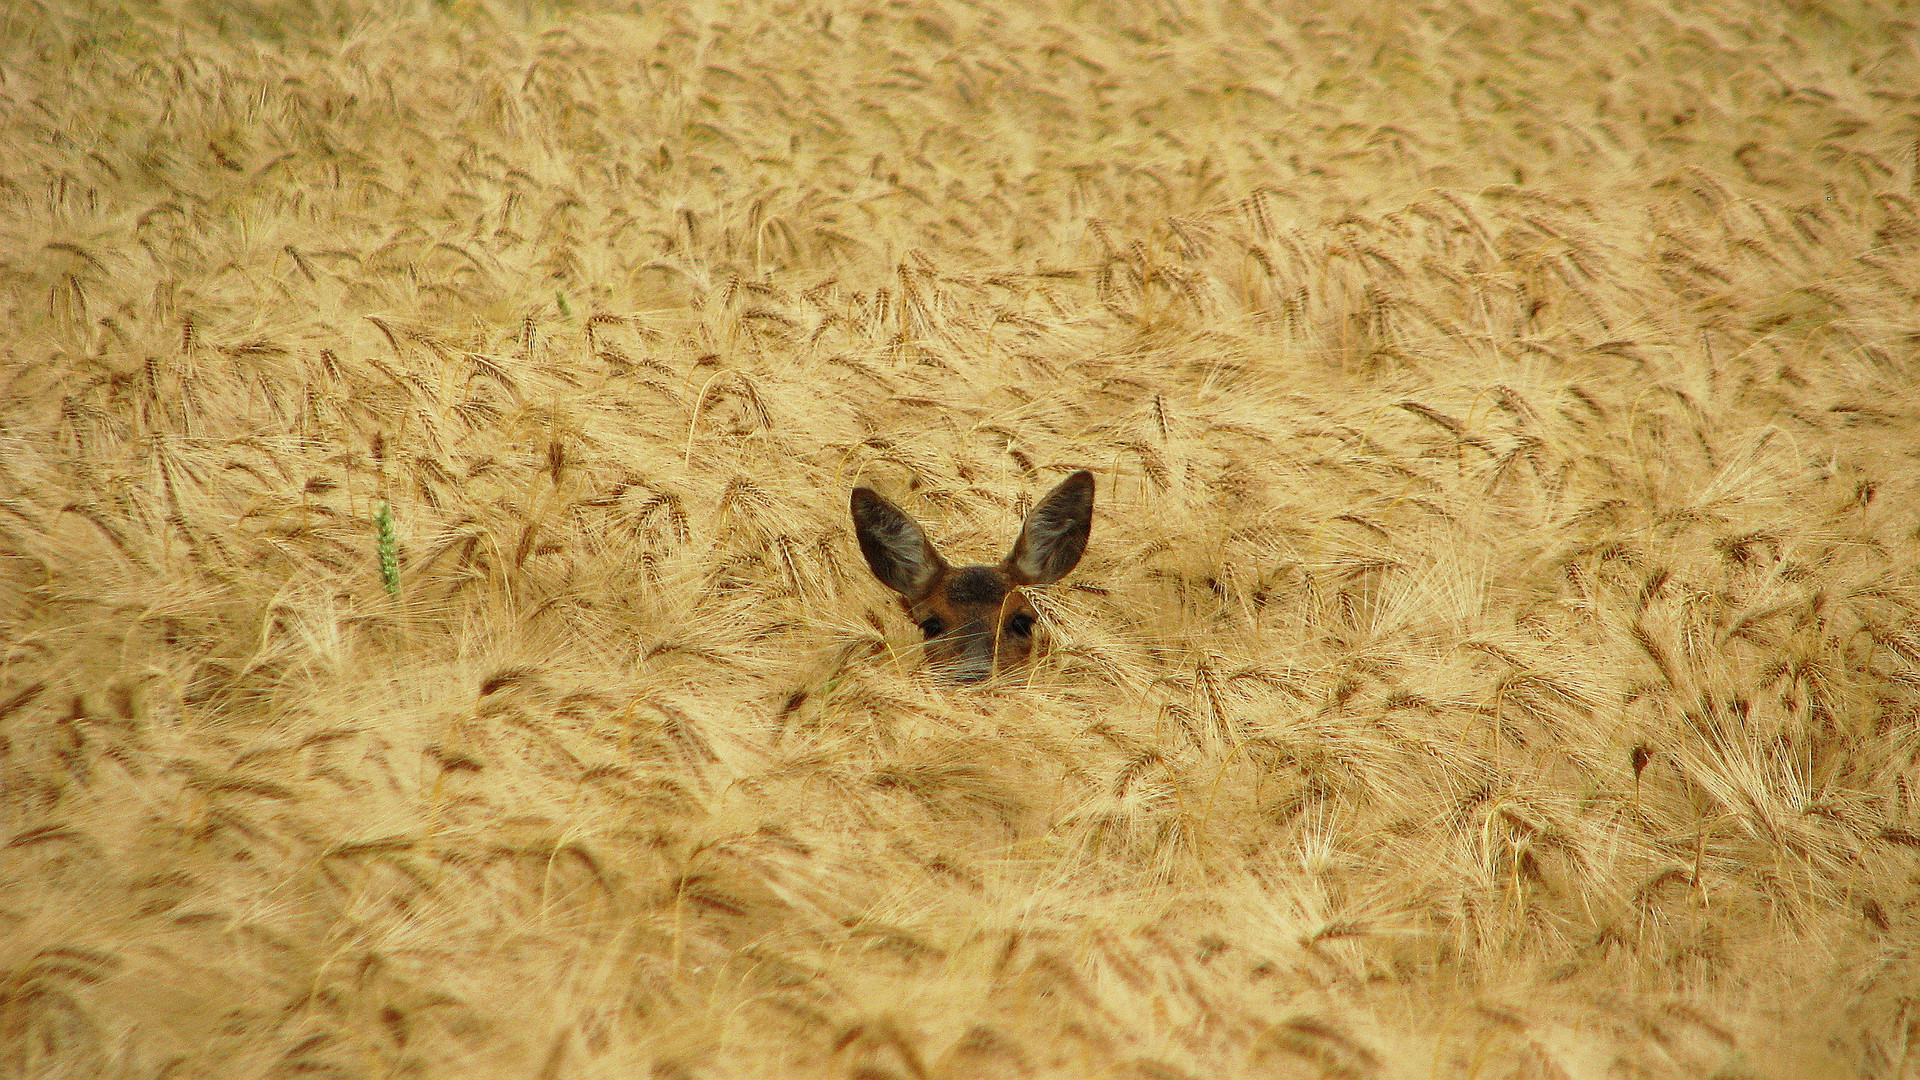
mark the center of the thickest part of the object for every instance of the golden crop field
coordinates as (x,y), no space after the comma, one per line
(435,642)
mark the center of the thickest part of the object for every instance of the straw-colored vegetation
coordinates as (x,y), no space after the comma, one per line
(434,642)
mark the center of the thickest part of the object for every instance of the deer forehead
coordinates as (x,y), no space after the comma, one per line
(976,585)
(973,592)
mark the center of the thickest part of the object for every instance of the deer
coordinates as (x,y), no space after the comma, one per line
(977,619)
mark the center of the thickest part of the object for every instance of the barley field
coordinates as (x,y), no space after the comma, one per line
(433,642)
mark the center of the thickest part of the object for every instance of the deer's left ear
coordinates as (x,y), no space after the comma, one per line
(1054,536)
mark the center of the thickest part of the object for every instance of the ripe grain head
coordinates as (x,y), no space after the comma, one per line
(1495,650)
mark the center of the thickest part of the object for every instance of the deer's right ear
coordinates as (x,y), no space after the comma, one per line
(897,549)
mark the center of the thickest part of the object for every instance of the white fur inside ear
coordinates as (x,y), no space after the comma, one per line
(896,548)
(1054,536)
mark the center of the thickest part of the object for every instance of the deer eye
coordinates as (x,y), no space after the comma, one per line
(1020,625)
(933,627)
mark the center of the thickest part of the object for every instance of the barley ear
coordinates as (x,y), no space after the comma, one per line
(389,549)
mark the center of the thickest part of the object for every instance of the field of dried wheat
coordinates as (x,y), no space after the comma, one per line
(433,642)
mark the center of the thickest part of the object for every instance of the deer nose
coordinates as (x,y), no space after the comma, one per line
(973,659)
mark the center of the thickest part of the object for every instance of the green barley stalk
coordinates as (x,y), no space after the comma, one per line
(389,550)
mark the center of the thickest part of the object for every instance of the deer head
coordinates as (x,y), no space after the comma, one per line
(976,618)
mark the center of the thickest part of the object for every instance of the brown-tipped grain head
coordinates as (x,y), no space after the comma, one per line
(977,619)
